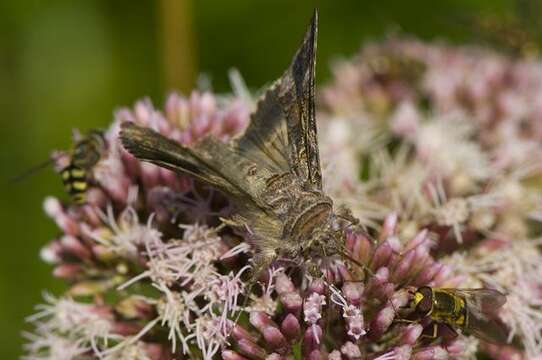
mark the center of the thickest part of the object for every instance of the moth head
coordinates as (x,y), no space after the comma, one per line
(327,239)
(338,226)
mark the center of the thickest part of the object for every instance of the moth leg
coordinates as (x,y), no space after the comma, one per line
(313,269)
(366,268)
(260,264)
(346,214)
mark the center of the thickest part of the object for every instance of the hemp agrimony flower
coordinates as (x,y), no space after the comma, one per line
(435,149)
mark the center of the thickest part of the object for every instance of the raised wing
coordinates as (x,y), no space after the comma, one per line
(282,133)
(265,141)
(297,98)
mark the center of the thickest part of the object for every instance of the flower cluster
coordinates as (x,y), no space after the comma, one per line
(150,239)
(340,316)
(451,140)
(437,150)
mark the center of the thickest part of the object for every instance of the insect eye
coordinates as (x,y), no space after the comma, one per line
(424,306)
(335,225)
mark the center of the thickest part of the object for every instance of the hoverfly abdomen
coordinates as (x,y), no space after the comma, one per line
(75,182)
(86,153)
(449,308)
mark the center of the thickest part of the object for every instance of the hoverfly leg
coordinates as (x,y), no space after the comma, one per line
(432,334)
(447,332)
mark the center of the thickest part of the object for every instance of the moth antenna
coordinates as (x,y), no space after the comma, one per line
(358,263)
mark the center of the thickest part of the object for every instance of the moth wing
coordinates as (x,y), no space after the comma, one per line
(210,161)
(265,140)
(296,95)
(282,132)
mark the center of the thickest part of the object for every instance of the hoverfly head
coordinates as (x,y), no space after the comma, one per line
(423,300)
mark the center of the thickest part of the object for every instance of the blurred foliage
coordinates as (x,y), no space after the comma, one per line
(69,64)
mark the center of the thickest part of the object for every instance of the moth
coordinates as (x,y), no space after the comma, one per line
(271,172)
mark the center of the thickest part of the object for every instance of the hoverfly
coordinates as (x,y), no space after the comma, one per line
(471,310)
(272,172)
(85,154)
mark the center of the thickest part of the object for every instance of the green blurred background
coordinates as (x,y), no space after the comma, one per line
(69,64)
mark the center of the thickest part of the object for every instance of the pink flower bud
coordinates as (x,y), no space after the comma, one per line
(434,352)
(232,355)
(351,350)
(381,322)
(311,339)
(68,271)
(275,339)
(291,328)
(411,334)
(251,350)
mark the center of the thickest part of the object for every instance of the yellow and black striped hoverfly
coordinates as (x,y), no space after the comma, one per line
(474,311)
(85,154)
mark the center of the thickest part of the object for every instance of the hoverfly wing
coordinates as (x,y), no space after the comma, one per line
(296,95)
(484,301)
(483,306)
(210,161)
(486,328)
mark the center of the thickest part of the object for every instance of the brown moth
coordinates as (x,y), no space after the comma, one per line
(272,172)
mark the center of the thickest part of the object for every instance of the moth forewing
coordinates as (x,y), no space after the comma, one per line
(296,96)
